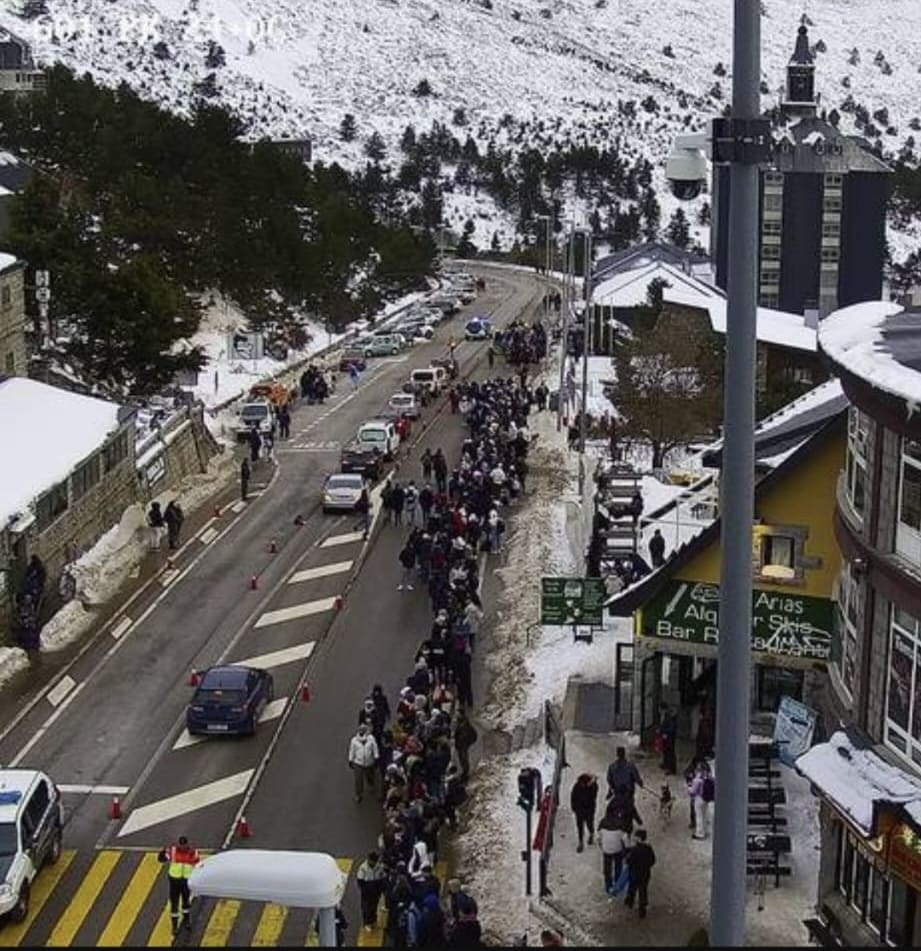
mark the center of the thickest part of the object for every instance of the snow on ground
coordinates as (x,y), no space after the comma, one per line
(101,571)
(12,660)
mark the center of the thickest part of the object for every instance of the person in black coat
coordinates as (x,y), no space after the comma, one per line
(640,860)
(657,549)
(174,517)
(255,444)
(582,800)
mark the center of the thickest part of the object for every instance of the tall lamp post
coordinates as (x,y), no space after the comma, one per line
(741,141)
(568,299)
(586,347)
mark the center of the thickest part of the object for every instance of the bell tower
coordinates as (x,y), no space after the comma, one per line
(800,92)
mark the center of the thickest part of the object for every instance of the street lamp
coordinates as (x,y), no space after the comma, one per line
(586,346)
(741,140)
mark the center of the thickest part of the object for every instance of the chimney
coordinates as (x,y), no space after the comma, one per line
(811,318)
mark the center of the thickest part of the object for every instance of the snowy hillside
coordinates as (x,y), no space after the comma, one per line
(294,68)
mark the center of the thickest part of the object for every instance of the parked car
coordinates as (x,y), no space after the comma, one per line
(229,699)
(352,357)
(418,329)
(393,330)
(341,491)
(375,442)
(405,404)
(31,824)
(448,304)
(255,414)
(388,346)
(432,378)
(479,328)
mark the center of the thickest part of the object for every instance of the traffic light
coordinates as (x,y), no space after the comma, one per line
(525,789)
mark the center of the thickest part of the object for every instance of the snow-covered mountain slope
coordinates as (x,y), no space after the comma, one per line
(295,67)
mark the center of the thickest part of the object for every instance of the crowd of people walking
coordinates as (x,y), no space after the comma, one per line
(416,754)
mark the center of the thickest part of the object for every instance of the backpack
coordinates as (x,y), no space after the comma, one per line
(708,791)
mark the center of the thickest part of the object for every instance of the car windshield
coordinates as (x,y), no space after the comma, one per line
(9,840)
(424,375)
(254,412)
(401,400)
(343,482)
(224,698)
(372,435)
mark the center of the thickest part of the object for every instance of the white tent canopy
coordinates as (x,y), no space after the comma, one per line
(294,879)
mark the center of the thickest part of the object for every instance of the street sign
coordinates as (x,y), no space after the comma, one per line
(789,625)
(242,345)
(42,278)
(793,729)
(567,601)
(43,294)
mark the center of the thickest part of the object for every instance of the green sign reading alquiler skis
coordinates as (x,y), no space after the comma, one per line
(789,625)
(572,601)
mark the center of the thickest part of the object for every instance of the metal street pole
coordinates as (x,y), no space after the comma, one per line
(568,299)
(586,346)
(727,890)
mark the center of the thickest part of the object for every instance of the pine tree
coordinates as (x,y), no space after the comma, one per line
(215,58)
(375,147)
(408,139)
(465,247)
(494,244)
(347,128)
(679,232)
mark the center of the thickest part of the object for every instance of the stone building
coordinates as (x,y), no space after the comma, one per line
(868,774)
(14,360)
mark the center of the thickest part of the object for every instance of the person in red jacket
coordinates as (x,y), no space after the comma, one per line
(180,859)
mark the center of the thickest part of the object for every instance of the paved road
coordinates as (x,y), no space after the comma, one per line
(114,723)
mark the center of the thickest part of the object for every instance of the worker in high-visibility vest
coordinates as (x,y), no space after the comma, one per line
(179,859)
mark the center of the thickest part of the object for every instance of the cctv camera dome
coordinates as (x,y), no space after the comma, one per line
(686,191)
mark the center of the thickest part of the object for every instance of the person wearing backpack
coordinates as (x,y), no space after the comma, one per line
(704,787)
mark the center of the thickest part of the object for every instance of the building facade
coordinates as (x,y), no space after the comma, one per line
(822,209)
(870,879)
(17,71)
(13,347)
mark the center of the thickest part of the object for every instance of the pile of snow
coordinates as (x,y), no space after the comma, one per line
(45,433)
(12,661)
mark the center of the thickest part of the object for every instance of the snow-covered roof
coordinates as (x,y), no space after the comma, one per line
(774,326)
(628,288)
(879,343)
(857,780)
(827,399)
(45,432)
(6,260)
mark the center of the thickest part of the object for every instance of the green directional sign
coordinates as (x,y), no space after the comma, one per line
(789,625)
(572,601)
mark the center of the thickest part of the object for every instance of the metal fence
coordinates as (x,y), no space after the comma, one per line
(554,738)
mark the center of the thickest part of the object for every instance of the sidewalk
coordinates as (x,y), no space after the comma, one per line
(679,893)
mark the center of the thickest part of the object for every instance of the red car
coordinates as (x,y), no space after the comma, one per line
(352,358)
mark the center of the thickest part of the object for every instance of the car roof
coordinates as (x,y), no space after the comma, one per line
(13,781)
(346,476)
(403,396)
(227,677)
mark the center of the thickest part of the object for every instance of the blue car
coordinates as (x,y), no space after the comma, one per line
(478,328)
(229,700)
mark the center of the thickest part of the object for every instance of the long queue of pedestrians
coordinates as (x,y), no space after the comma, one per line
(416,756)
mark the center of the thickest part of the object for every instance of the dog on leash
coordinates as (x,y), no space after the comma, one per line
(666,800)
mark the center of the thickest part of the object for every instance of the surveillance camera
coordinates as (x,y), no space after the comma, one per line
(686,171)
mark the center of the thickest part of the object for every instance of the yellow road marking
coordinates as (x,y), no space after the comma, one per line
(271,922)
(373,937)
(313,939)
(220,924)
(129,906)
(11,935)
(162,934)
(69,923)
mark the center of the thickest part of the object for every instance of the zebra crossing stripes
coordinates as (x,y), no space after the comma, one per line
(12,934)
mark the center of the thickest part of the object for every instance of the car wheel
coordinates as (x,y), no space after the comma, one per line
(54,850)
(394,351)
(20,910)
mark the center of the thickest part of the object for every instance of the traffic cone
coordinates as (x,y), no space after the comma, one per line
(305,693)
(194,678)
(339,603)
(115,808)
(273,547)
(243,829)
(254,582)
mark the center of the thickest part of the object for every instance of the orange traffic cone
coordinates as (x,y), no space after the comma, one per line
(243,829)
(305,693)
(254,582)
(115,808)
(339,603)
(194,678)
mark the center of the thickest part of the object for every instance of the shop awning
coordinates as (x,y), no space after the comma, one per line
(858,780)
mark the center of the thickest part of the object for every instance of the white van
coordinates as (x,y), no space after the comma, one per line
(433,379)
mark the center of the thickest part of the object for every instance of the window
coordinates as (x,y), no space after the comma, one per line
(833,180)
(830,254)
(858,427)
(773,178)
(910,492)
(777,550)
(773,202)
(52,504)
(847,612)
(10,364)
(5,296)
(770,227)
(770,252)
(831,203)
(84,477)
(770,300)
(831,229)
(903,689)
(115,452)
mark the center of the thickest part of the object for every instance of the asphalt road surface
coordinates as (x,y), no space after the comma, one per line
(113,724)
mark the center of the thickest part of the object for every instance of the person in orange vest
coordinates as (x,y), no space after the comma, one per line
(179,859)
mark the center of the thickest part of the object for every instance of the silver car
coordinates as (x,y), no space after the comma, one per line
(341,491)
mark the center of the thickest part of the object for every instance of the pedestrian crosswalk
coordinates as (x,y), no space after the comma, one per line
(114,898)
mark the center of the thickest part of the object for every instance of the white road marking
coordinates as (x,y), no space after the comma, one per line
(121,627)
(321,571)
(238,506)
(93,790)
(168,576)
(277,658)
(306,609)
(208,536)
(185,802)
(272,711)
(64,687)
(345,539)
